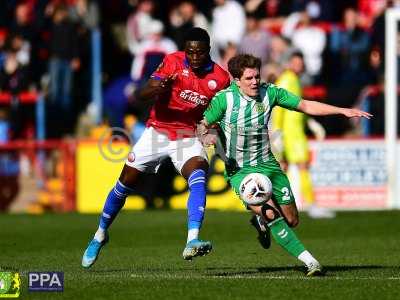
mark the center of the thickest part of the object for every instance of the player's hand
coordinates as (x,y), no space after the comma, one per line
(167,82)
(354,112)
(201,129)
(208,136)
(209,139)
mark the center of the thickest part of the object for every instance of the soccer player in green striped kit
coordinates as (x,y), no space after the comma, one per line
(242,111)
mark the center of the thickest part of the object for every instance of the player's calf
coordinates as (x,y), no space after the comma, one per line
(290,213)
(287,238)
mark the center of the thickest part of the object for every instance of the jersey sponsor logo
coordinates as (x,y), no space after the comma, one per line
(185,72)
(260,108)
(212,84)
(247,128)
(193,97)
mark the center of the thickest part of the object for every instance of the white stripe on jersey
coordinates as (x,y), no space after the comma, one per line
(265,140)
(253,147)
(228,130)
(241,134)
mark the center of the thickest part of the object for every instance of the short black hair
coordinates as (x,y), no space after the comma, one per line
(197,34)
(297,53)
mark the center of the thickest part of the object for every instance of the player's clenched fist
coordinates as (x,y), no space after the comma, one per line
(167,82)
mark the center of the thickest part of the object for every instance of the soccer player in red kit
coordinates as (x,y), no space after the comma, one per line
(182,86)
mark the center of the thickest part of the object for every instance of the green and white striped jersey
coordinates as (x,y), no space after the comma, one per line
(244,122)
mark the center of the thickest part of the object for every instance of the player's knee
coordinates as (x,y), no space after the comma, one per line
(129,176)
(193,164)
(270,213)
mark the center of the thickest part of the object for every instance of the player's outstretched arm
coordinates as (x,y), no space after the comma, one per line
(154,87)
(321,109)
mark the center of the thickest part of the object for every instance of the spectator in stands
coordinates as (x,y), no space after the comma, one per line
(64,59)
(270,72)
(369,10)
(226,54)
(322,10)
(4,126)
(13,75)
(378,25)
(228,24)
(267,8)
(23,24)
(3,35)
(350,47)
(14,79)
(280,51)
(184,17)
(116,97)
(138,23)
(308,38)
(150,52)
(256,41)
(23,34)
(9,166)
(375,70)
(21,47)
(86,12)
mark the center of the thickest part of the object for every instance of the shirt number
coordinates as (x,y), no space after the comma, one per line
(286,193)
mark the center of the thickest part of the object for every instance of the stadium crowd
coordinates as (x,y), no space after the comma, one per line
(45,46)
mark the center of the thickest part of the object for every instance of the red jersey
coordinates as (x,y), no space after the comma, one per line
(177,114)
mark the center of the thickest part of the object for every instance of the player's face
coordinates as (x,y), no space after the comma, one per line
(249,83)
(197,53)
(297,64)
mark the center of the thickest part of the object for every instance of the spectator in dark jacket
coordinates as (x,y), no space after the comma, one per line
(350,47)
(64,58)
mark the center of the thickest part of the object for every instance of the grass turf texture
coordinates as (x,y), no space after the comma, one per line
(360,252)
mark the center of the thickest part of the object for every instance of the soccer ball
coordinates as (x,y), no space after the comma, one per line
(255,189)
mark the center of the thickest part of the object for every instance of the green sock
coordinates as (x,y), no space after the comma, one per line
(286,237)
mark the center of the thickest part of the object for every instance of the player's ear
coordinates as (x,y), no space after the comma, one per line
(237,81)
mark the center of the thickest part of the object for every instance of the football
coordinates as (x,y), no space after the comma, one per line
(255,189)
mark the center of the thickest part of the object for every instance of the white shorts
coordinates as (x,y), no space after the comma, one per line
(153,147)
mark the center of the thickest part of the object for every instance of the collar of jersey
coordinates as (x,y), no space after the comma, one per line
(207,68)
(248,98)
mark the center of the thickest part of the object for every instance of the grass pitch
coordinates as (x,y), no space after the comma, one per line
(360,252)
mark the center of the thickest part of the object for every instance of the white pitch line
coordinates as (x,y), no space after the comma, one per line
(257,277)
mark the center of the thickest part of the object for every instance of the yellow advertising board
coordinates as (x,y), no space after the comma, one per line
(98,168)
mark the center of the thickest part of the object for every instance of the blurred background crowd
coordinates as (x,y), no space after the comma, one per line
(45,46)
(71,69)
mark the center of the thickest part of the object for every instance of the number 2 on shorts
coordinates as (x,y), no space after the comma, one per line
(286,193)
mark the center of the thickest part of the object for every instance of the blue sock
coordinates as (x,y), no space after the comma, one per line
(115,201)
(197,201)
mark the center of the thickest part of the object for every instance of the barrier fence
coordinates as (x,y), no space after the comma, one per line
(37,176)
(63,176)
